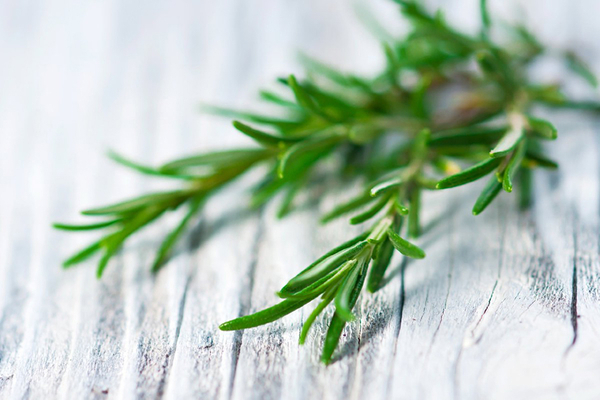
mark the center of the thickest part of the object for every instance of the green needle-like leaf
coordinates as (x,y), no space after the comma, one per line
(371,212)
(386,185)
(337,324)
(380,265)
(143,169)
(404,246)
(347,207)
(332,338)
(470,174)
(400,208)
(304,99)
(489,193)
(525,187)
(542,128)
(579,67)
(87,227)
(317,271)
(218,159)
(466,137)
(277,99)
(83,254)
(485,16)
(113,242)
(414,225)
(171,239)
(287,204)
(265,316)
(322,284)
(343,306)
(303,147)
(508,142)
(137,203)
(537,159)
(327,298)
(513,166)
(266,139)
(291,289)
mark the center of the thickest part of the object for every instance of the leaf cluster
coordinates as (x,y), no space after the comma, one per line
(448,108)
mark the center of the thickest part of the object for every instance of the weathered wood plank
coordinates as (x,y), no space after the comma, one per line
(504,306)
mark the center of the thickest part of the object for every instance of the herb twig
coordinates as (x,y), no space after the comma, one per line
(389,133)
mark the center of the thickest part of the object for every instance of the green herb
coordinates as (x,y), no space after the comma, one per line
(387,134)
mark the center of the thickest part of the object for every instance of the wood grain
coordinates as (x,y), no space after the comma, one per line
(505,306)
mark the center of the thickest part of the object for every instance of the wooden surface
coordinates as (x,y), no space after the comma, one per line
(505,306)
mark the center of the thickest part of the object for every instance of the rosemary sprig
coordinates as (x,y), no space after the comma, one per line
(391,133)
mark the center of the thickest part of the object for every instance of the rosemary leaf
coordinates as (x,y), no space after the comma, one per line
(542,128)
(171,239)
(343,297)
(386,185)
(87,227)
(265,316)
(526,189)
(137,203)
(488,194)
(508,142)
(327,298)
(83,254)
(513,165)
(218,159)
(467,136)
(347,207)
(143,169)
(322,268)
(261,137)
(380,265)
(537,159)
(579,67)
(404,246)
(371,212)
(470,174)
(304,99)
(337,323)
(414,226)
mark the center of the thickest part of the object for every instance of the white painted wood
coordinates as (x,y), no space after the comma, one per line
(505,306)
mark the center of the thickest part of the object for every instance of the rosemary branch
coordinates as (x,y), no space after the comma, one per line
(391,133)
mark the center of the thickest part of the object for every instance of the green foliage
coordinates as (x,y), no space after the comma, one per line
(386,134)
